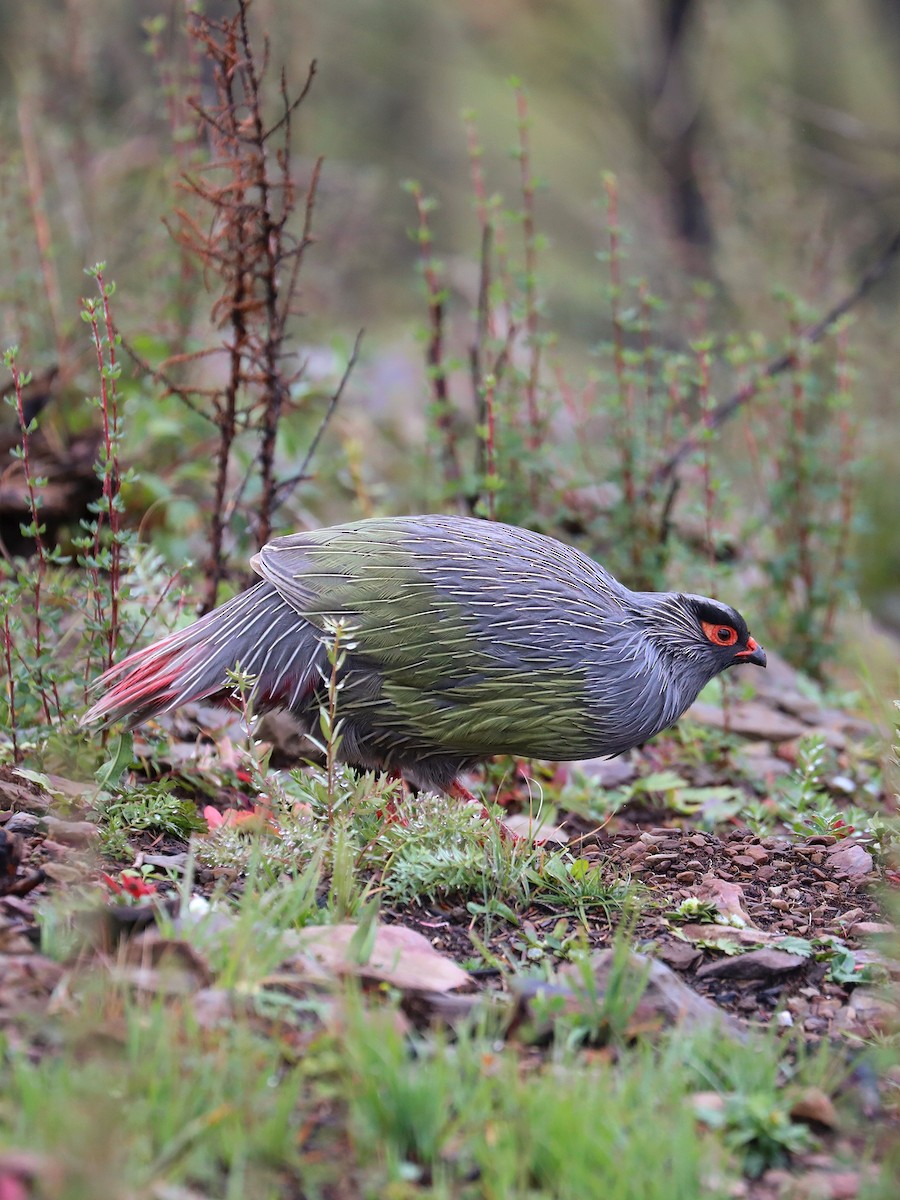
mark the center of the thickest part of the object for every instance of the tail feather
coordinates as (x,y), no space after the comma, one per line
(257,631)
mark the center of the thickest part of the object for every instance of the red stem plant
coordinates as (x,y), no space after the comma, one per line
(436,295)
(530,247)
(237,223)
(98,317)
(35,530)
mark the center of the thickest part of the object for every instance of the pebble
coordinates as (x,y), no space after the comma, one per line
(607,772)
(71,833)
(757,853)
(22,822)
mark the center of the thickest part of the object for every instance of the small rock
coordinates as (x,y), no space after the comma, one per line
(71,833)
(524,826)
(637,850)
(751,719)
(849,919)
(869,1014)
(606,772)
(753,965)
(22,822)
(679,955)
(828,1185)
(814,1105)
(849,860)
(842,783)
(763,766)
(871,928)
(757,853)
(728,897)
(666,995)
(831,737)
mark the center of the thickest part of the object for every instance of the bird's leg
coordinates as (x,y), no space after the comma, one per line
(389,813)
(458,791)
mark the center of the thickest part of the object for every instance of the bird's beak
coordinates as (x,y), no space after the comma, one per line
(753,654)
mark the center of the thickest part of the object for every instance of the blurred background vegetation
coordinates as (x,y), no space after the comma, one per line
(751,148)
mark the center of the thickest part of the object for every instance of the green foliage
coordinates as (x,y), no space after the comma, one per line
(166,1102)
(579,884)
(756,1085)
(153,808)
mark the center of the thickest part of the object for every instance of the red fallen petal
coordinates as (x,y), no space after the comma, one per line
(213,817)
(234,816)
(243,775)
(135,886)
(112,884)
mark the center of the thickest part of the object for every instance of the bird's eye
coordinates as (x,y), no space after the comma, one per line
(720,635)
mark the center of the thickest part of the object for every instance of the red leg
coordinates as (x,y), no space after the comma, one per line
(458,792)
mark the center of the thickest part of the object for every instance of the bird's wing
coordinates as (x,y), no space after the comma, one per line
(470,627)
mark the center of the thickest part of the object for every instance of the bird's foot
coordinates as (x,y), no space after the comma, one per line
(459,792)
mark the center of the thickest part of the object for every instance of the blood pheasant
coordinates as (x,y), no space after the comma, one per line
(470,638)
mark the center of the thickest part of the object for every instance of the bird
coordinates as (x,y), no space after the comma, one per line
(463,639)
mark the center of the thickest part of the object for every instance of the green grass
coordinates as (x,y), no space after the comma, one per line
(247,1097)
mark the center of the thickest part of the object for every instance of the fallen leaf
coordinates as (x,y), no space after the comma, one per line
(814,1105)
(523,825)
(726,933)
(398,956)
(728,897)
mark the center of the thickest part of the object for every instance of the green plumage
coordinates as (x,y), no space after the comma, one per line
(427,671)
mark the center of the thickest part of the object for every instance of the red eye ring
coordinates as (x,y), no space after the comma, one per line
(720,635)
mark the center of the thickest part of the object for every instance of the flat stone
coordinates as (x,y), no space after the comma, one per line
(762,766)
(849,860)
(757,853)
(871,928)
(523,825)
(666,996)
(679,955)
(23,823)
(753,965)
(607,772)
(71,833)
(750,719)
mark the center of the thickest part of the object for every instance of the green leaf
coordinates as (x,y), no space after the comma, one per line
(122,757)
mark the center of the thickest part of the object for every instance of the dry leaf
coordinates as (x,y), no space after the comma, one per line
(728,897)
(814,1105)
(399,956)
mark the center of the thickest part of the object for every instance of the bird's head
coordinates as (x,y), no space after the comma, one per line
(707,633)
